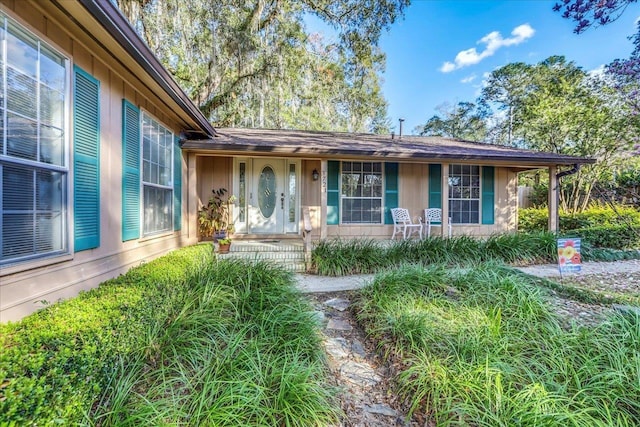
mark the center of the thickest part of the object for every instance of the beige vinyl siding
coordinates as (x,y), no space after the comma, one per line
(24,285)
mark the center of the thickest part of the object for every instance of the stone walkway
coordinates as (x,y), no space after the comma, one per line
(358,371)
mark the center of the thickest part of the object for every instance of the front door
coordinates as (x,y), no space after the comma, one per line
(268,196)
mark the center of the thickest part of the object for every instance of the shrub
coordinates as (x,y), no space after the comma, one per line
(612,237)
(597,215)
(55,362)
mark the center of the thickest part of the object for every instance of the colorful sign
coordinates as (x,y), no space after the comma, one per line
(569,255)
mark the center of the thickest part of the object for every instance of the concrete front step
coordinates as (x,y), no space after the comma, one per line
(287,254)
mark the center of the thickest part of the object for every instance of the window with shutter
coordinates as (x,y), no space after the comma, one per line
(34,79)
(157,176)
(86,161)
(130,171)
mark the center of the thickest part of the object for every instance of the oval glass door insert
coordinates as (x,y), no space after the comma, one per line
(267,191)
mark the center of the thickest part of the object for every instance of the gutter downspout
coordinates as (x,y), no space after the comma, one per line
(572,171)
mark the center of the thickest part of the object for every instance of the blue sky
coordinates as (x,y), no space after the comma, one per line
(434,32)
(422,71)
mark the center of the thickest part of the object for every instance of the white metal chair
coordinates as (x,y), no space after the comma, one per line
(433,216)
(402,223)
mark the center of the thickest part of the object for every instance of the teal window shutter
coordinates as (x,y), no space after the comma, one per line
(130,171)
(177,185)
(435,186)
(333,192)
(488,194)
(86,161)
(390,190)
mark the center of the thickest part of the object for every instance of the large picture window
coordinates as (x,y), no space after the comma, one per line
(33,146)
(361,194)
(464,194)
(157,173)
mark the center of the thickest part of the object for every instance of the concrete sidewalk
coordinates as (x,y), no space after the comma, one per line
(311,283)
(586,268)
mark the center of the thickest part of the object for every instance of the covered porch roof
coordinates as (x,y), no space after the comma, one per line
(261,142)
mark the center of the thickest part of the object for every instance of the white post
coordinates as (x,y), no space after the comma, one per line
(553,199)
(323,199)
(445,201)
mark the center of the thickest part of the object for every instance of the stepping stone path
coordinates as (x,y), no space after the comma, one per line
(358,372)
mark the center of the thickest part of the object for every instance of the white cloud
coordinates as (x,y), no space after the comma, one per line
(493,42)
(598,71)
(468,79)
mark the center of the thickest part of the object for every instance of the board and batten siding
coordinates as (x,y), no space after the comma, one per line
(419,187)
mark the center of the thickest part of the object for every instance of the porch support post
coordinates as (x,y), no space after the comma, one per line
(323,199)
(553,199)
(445,201)
(192,197)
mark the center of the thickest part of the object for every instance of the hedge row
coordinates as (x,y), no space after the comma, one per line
(535,219)
(601,226)
(614,236)
(55,362)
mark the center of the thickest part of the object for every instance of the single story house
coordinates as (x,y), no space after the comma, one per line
(349,182)
(105,162)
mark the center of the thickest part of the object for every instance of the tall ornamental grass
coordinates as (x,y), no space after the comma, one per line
(479,346)
(340,257)
(337,257)
(182,340)
(242,349)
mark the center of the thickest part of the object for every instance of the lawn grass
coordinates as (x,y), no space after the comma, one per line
(479,346)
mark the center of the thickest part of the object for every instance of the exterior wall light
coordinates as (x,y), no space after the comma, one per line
(315,175)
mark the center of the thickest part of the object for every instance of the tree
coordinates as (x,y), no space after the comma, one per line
(594,13)
(463,121)
(507,88)
(560,108)
(252,63)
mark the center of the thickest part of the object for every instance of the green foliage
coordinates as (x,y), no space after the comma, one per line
(216,214)
(180,340)
(335,257)
(463,121)
(479,346)
(243,349)
(613,236)
(341,257)
(556,106)
(55,362)
(254,64)
(600,225)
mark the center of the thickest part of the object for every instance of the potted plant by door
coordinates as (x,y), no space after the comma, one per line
(224,245)
(214,218)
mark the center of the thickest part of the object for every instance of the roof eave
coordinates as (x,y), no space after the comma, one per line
(116,24)
(216,147)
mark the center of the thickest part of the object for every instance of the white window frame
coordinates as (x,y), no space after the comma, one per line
(169,229)
(465,188)
(344,197)
(292,226)
(64,246)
